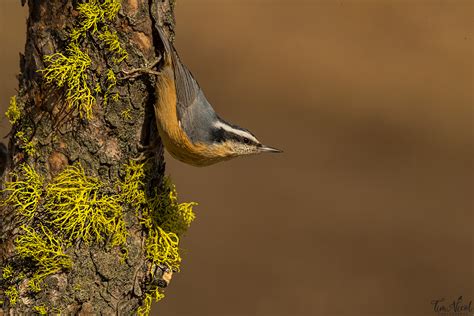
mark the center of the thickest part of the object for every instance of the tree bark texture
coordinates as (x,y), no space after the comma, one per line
(54,135)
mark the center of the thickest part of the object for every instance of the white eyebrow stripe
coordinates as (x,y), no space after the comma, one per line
(235,131)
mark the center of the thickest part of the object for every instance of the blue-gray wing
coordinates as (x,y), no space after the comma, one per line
(195,114)
(187,88)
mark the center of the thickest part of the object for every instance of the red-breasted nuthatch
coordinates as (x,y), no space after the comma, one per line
(189,127)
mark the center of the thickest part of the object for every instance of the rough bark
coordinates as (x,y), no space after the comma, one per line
(98,281)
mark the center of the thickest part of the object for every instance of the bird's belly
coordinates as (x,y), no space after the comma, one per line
(174,138)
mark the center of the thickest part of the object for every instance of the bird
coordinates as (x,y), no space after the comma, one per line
(191,131)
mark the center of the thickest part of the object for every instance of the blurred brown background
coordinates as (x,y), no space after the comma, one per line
(369,211)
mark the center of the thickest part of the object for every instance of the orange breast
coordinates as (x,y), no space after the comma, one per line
(173,136)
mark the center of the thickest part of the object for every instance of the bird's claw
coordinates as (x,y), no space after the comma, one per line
(136,72)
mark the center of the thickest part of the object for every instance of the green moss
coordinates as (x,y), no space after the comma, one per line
(13,112)
(12,294)
(76,204)
(45,250)
(24,191)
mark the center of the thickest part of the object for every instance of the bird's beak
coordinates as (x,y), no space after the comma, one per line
(267,149)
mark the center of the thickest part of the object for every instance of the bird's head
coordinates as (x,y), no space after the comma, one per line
(234,141)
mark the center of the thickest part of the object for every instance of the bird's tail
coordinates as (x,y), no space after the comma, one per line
(186,87)
(169,50)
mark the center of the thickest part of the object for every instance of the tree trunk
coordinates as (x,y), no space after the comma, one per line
(76,232)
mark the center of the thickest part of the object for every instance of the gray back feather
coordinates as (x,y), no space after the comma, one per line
(195,113)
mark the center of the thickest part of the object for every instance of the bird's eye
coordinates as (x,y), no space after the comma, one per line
(246,140)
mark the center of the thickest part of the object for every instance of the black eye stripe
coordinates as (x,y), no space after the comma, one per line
(218,135)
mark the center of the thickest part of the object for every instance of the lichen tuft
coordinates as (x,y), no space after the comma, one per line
(166,220)
(92,13)
(155,295)
(7,271)
(24,191)
(113,45)
(45,250)
(41,309)
(12,294)
(25,143)
(13,111)
(69,71)
(131,188)
(76,204)
(168,213)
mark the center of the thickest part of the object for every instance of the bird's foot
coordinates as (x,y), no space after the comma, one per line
(145,152)
(136,72)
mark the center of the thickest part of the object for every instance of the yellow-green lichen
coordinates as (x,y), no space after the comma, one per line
(163,220)
(12,294)
(25,143)
(163,248)
(24,191)
(126,114)
(155,295)
(131,188)
(113,45)
(169,214)
(166,219)
(7,271)
(69,71)
(98,88)
(111,83)
(162,242)
(41,309)
(92,13)
(76,204)
(13,112)
(111,80)
(45,250)
(34,284)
